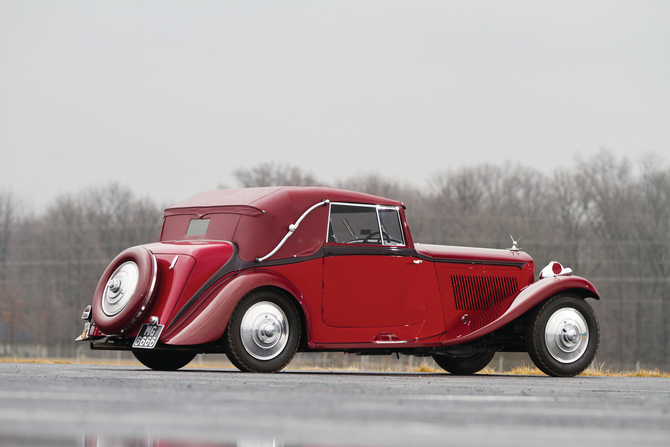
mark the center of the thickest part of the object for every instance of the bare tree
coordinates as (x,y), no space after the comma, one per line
(8,218)
(564,199)
(12,310)
(78,237)
(377,185)
(272,174)
(118,219)
(10,302)
(484,205)
(603,218)
(456,200)
(626,255)
(409,195)
(653,233)
(463,189)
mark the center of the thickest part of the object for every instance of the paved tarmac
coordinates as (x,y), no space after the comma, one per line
(110,406)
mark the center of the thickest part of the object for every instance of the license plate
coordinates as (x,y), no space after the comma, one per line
(148,336)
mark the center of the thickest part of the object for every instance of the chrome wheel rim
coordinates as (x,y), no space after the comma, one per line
(120,288)
(566,335)
(264,330)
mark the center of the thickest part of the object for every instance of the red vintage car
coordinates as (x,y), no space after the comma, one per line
(262,273)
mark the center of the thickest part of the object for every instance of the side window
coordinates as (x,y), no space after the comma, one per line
(359,224)
(353,224)
(390,223)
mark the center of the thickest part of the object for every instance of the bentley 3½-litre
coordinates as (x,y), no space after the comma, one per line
(262,273)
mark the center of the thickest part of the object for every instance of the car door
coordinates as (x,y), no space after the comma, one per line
(370,277)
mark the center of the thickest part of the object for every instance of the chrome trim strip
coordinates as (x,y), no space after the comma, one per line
(379,226)
(397,215)
(291,229)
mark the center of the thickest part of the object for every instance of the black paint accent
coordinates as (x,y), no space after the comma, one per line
(368,250)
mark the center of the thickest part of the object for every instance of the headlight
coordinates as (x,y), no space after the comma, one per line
(554,269)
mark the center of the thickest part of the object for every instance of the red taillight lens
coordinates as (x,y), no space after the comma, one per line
(556,268)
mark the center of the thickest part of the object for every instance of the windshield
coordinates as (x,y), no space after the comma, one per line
(364,224)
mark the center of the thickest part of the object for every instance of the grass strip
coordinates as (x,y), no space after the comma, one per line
(595,369)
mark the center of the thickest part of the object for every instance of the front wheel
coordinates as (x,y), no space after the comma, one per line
(164,360)
(563,336)
(263,332)
(463,365)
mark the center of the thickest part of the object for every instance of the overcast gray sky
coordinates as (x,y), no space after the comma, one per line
(170,97)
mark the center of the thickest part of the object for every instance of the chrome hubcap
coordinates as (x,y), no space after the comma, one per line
(566,335)
(120,288)
(264,330)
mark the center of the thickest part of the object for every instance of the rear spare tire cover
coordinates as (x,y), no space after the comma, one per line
(125,290)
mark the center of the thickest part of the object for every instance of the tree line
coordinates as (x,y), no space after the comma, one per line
(606,218)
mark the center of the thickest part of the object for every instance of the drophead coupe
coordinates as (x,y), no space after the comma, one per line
(262,273)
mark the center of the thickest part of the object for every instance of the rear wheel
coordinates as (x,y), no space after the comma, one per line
(563,336)
(164,360)
(263,332)
(463,365)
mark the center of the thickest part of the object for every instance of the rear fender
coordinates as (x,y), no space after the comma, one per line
(516,305)
(207,322)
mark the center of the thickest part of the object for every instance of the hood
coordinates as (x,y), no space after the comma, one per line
(468,255)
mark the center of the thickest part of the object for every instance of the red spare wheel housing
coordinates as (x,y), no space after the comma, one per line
(125,290)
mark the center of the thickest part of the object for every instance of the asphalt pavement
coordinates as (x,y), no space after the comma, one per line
(110,406)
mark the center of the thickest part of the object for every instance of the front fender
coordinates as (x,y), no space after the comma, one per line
(207,322)
(515,306)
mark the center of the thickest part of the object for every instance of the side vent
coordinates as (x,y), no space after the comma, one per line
(482,293)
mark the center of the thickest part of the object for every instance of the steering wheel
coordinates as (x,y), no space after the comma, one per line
(376,233)
(370,236)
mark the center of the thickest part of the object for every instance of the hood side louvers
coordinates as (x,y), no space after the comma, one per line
(482,293)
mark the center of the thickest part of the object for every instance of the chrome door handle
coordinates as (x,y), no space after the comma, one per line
(417,261)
